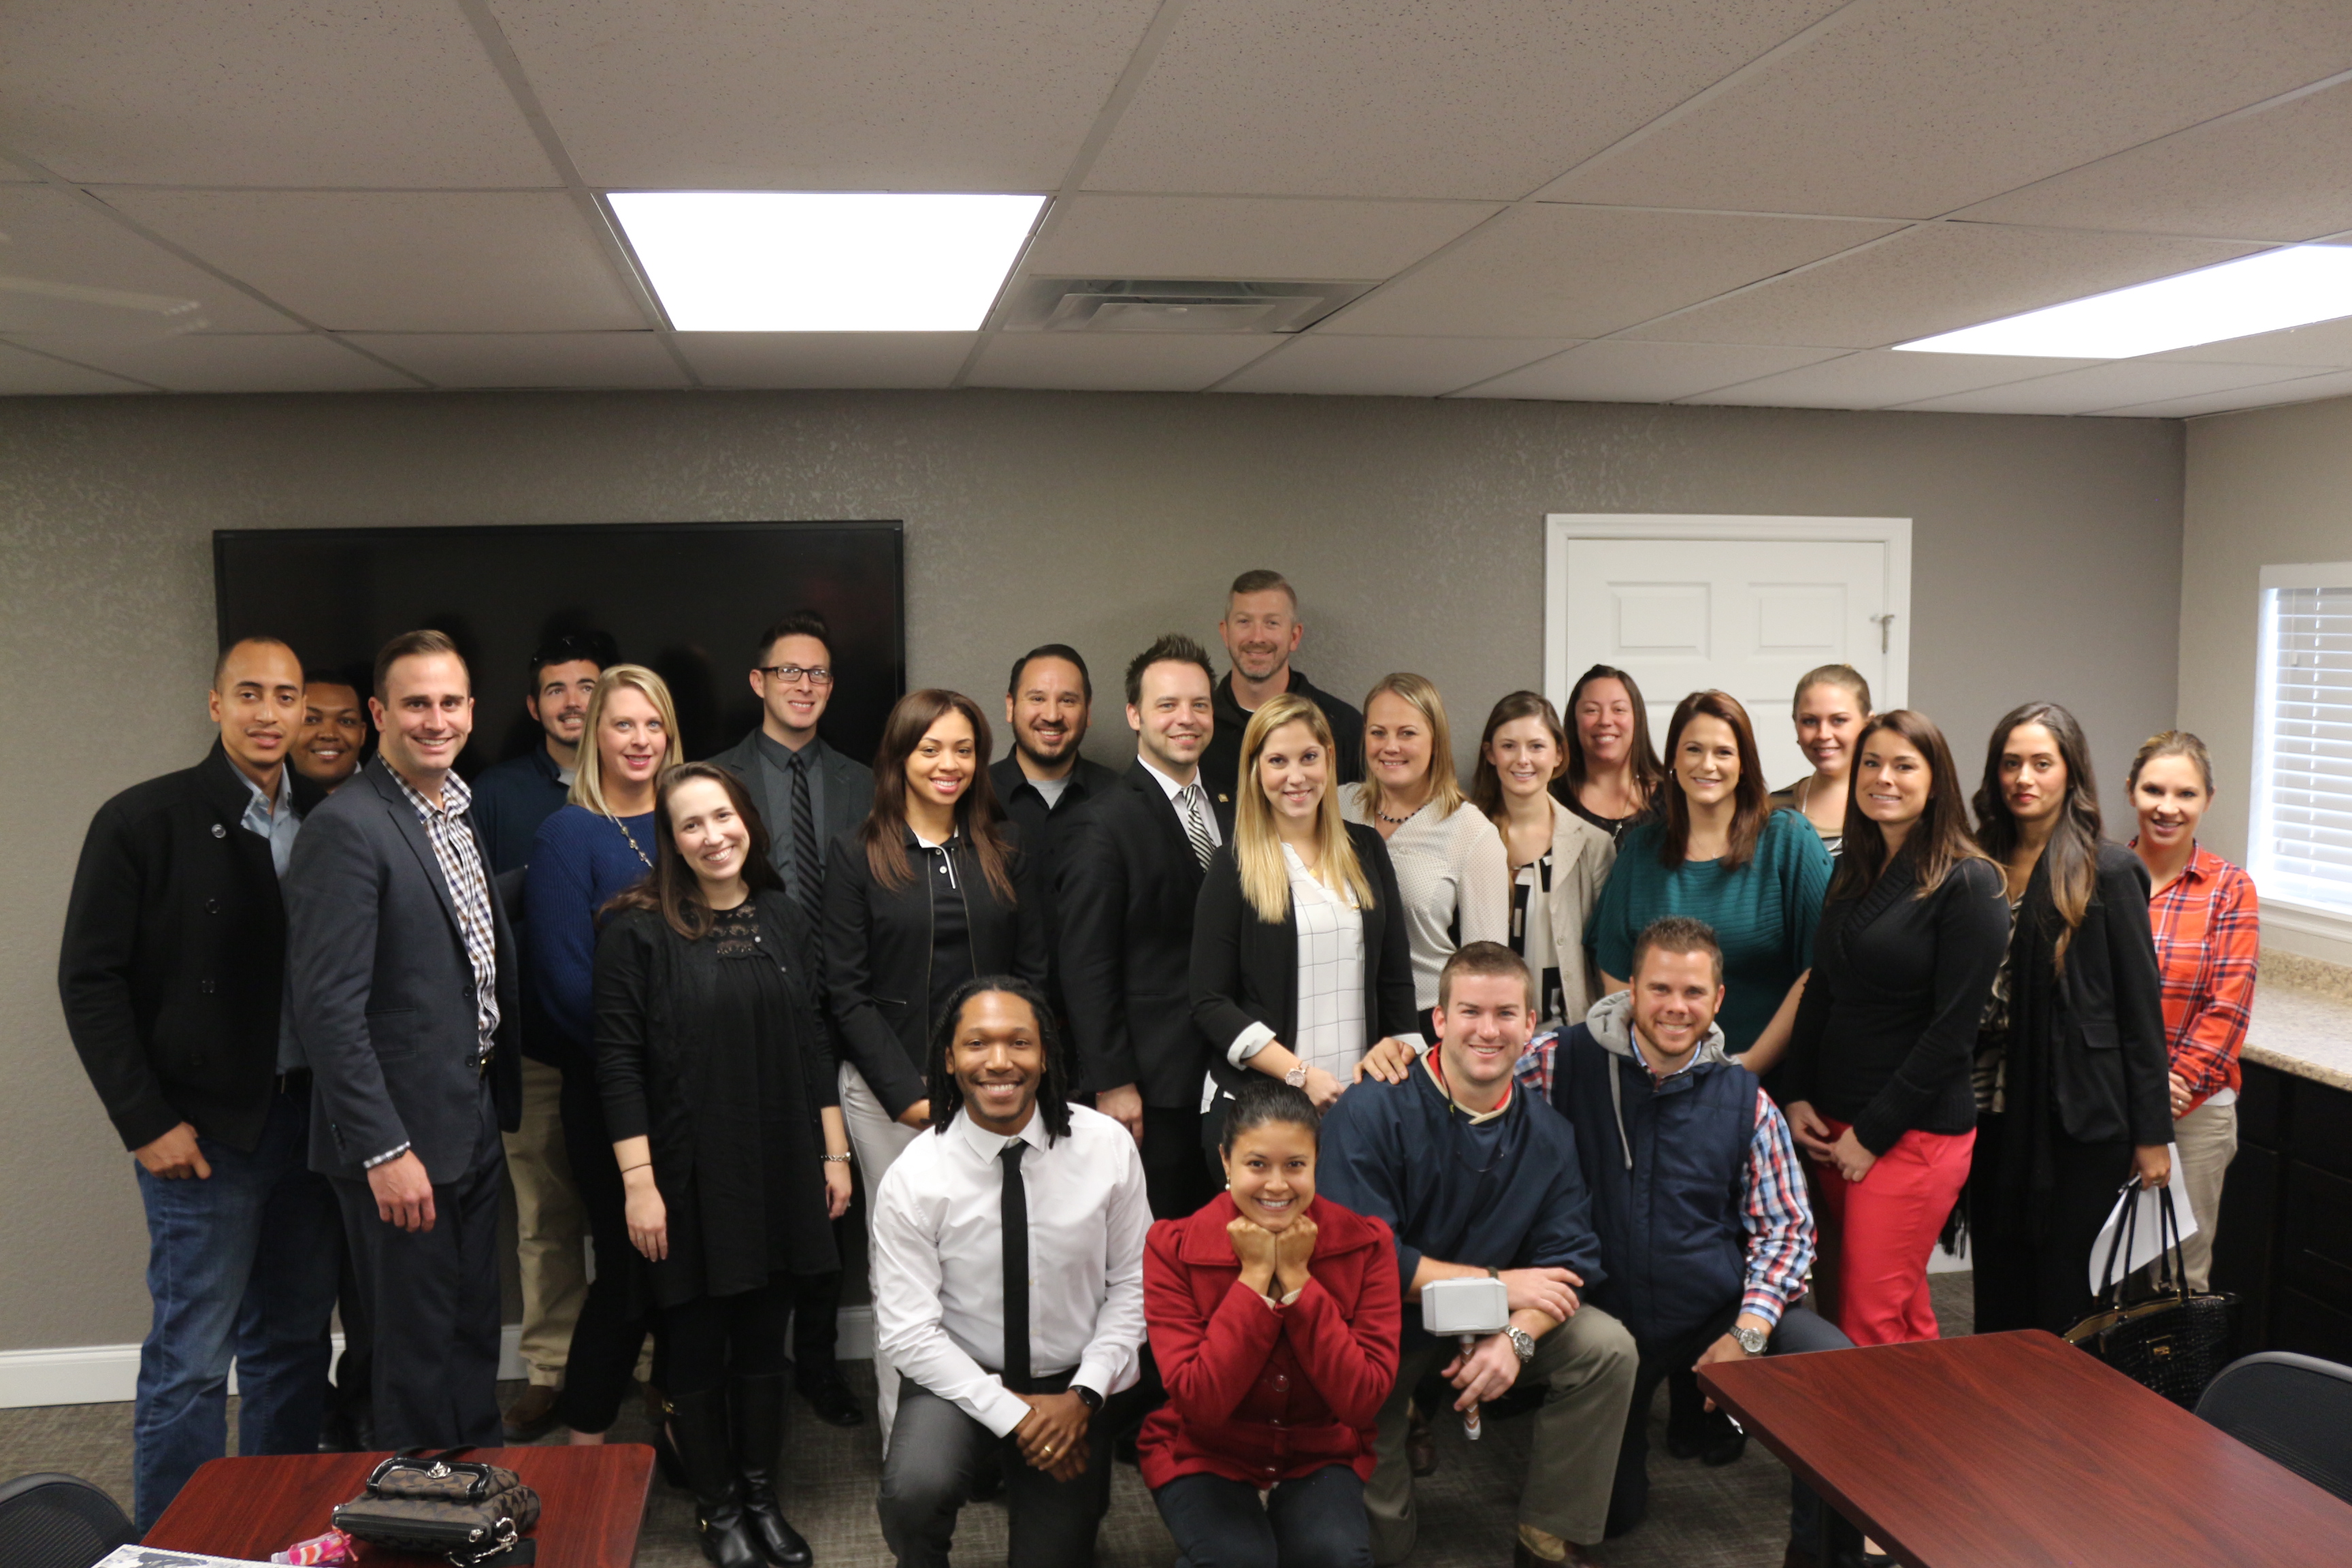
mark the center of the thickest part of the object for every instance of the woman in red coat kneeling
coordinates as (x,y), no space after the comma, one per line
(1274,1322)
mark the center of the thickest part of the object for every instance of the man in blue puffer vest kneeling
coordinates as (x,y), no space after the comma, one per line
(1696,1195)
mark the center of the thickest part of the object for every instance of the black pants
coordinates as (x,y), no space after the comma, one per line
(935,1451)
(348,1418)
(817,1312)
(714,1337)
(616,1314)
(1175,1177)
(2032,1250)
(1315,1521)
(433,1300)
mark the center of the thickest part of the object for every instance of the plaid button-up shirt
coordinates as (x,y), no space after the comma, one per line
(470,890)
(2209,942)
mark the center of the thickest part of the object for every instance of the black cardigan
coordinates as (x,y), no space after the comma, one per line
(1245,969)
(1887,1033)
(878,952)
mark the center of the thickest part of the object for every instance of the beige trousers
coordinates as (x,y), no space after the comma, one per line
(878,1141)
(550,1227)
(2208,1137)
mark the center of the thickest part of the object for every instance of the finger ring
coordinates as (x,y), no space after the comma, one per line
(1049,1448)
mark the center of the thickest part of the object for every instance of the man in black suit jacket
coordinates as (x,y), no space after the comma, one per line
(171,972)
(1130,873)
(401,969)
(807,792)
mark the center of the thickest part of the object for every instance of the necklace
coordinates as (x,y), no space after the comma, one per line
(1397,821)
(633,841)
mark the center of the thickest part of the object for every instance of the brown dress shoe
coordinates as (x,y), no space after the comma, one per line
(1420,1444)
(531,1417)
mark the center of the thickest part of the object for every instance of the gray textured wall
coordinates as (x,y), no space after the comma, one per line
(2046,561)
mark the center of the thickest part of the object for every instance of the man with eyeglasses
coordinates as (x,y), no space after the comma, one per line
(808,792)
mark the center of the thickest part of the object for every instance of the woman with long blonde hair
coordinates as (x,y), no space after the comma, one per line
(1301,966)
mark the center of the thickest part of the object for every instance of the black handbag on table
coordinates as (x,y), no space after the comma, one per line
(473,1514)
(2172,1343)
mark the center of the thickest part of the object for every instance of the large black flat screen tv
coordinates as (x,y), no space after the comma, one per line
(687,599)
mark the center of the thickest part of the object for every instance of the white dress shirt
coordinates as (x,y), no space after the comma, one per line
(938,1239)
(1333,1033)
(1175,794)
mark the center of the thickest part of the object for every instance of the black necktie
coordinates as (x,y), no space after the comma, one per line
(810,870)
(1017,1271)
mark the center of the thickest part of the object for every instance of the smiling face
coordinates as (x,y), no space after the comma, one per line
(561,702)
(1707,759)
(1048,710)
(998,1058)
(1260,631)
(1397,743)
(711,836)
(1605,722)
(1271,1169)
(1482,1029)
(1893,781)
(793,682)
(426,714)
(1525,757)
(1676,997)
(2032,774)
(2170,798)
(333,729)
(939,769)
(1175,716)
(632,741)
(258,703)
(1294,770)
(1829,718)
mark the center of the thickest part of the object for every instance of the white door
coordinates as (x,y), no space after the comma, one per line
(1741,605)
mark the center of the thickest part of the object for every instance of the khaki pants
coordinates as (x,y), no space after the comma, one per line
(878,1141)
(550,1227)
(1589,1363)
(2208,1137)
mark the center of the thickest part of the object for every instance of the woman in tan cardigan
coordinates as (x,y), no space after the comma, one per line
(1558,860)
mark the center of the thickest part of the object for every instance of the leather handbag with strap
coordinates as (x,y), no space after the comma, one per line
(2173,1341)
(474,1514)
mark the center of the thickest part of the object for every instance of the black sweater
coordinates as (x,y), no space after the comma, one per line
(1888,1029)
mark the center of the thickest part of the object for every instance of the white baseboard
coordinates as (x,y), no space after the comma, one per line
(105,1374)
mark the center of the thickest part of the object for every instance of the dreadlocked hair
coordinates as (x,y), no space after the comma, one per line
(946,1094)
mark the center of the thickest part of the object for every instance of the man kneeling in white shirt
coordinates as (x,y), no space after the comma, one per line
(1008,1287)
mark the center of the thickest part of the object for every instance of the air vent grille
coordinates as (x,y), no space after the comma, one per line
(1184,305)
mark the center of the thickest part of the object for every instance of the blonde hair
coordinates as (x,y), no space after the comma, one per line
(588,782)
(2172,743)
(1257,844)
(1420,693)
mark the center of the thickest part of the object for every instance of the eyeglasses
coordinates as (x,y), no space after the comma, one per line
(792,674)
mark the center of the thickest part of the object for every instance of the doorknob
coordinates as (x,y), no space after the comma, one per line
(1886,631)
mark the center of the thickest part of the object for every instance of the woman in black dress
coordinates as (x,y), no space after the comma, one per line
(717,1080)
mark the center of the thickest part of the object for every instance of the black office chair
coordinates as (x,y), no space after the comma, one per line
(2296,1409)
(58,1522)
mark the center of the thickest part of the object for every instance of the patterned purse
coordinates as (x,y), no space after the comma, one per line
(473,1514)
(2172,1343)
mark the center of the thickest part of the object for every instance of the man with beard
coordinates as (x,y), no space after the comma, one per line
(1261,631)
(1048,703)
(511,799)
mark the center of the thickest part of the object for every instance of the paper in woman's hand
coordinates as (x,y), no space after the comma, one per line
(2146,1230)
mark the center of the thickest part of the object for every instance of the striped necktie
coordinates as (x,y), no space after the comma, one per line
(1195,828)
(808,865)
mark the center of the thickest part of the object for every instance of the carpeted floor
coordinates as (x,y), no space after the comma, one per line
(1732,1517)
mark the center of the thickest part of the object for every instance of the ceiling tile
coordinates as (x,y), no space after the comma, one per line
(402,261)
(272,361)
(826,358)
(2305,389)
(2098,388)
(919,95)
(1398,97)
(230,92)
(1917,106)
(30,374)
(1935,278)
(2274,175)
(1392,367)
(2327,343)
(1114,362)
(1620,371)
(1244,236)
(52,237)
(529,359)
(1879,378)
(1582,272)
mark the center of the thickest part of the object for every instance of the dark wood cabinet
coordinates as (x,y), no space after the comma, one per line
(2285,1237)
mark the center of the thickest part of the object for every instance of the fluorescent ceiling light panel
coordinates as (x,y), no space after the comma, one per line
(2289,288)
(825,261)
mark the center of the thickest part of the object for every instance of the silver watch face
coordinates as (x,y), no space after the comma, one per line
(1522,1343)
(1753,1341)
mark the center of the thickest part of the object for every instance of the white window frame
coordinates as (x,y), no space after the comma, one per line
(2282,909)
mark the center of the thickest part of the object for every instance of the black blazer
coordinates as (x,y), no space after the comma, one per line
(878,957)
(173,957)
(2107,1047)
(848,791)
(1245,969)
(382,990)
(1127,882)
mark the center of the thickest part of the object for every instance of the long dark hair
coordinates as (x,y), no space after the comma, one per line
(1937,843)
(977,816)
(2073,853)
(1750,804)
(670,888)
(1485,783)
(1648,772)
(946,1094)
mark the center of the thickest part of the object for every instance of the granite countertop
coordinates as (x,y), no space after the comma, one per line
(2303,1022)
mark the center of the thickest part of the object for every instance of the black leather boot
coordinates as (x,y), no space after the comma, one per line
(758,1445)
(699,1427)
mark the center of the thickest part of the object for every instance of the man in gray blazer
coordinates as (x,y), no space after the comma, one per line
(808,794)
(401,974)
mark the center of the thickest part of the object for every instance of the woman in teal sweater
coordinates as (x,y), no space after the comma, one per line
(1719,853)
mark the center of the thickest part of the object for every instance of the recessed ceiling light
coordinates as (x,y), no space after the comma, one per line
(2289,288)
(825,261)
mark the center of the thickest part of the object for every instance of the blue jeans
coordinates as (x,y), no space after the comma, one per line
(1315,1521)
(241,1266)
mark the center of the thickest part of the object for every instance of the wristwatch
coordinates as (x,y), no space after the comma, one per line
(1296,1076)
(1086,1396)
(1523,1344)
(1755,1341)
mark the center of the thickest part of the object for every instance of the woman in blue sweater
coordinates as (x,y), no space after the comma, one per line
(598,844)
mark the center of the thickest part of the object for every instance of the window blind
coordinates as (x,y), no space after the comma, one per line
(2303,842)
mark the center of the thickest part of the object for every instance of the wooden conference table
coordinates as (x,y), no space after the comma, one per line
(2017,1450)
(592,1501)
